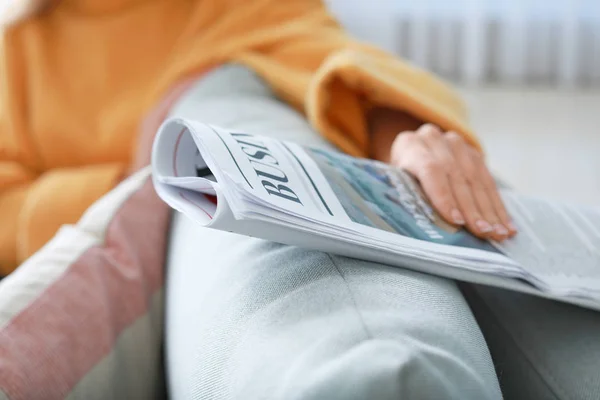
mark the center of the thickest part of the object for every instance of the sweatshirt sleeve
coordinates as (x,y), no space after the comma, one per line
(314,65)
(15,182)
(34,201)
(11,200)
(31,212)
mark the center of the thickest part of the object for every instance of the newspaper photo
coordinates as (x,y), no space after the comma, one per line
(378,195)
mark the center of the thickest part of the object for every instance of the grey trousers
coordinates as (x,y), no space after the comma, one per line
(251,319)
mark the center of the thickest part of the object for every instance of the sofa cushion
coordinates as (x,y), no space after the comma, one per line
(82,318)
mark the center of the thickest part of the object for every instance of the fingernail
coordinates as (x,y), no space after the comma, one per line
(484,226)
(457,217)
(500,230)
(511,226)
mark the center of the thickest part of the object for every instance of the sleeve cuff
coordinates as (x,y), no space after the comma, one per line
(349,80)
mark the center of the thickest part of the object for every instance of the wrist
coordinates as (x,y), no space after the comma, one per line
(384,125)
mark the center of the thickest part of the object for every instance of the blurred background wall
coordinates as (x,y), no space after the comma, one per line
(528,69)
(551,42)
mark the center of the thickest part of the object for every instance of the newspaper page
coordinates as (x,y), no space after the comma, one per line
(556,241)
(367,203)
(357,198)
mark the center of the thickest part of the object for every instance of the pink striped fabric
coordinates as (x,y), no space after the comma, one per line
(82,318)
(99,278)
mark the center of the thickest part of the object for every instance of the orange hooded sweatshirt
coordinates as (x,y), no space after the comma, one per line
(76,80)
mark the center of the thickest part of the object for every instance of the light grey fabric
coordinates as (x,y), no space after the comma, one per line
(251,319)
(542,349)
(248,318)
(131,370)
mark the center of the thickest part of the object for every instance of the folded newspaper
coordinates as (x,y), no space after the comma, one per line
(325,200)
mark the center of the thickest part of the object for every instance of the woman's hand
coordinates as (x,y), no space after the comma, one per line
(455,178)
(451,172)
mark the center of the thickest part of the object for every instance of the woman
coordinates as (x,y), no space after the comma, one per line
(85,84)
(79,76)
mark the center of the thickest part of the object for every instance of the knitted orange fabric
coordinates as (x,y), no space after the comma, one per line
(76,81)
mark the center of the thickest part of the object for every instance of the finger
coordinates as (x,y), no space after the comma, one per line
(460,189)
(498,204)
(483,193)
(485,205)
(420,162)
(432,137)
(467,204)
(486,194)
(480,217)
